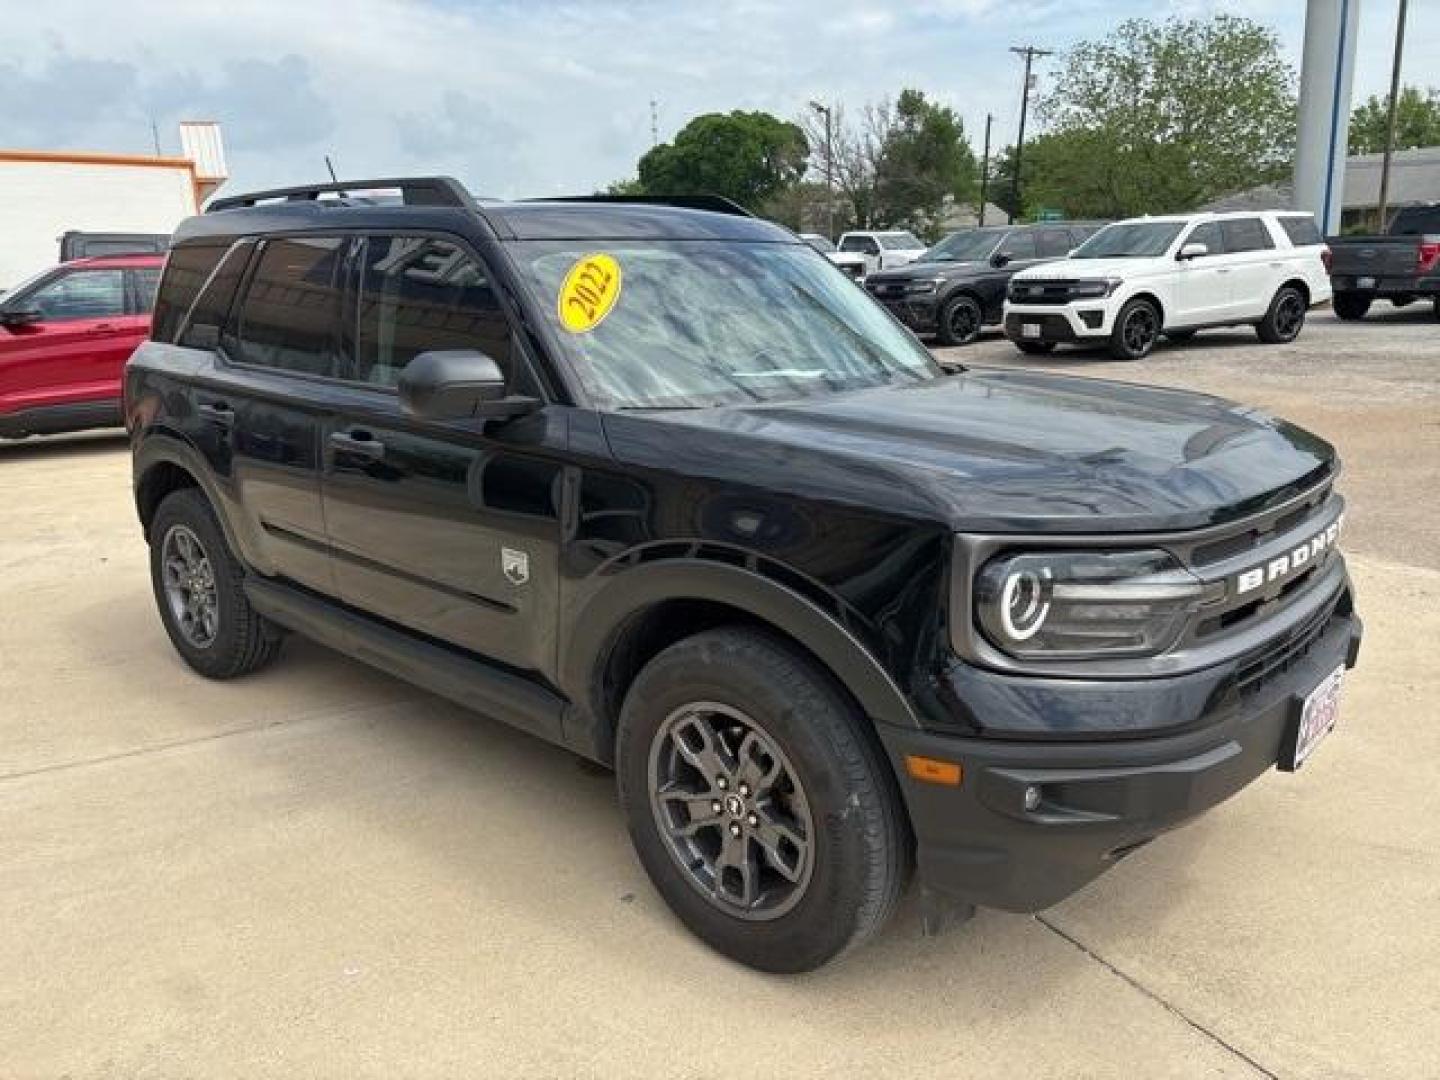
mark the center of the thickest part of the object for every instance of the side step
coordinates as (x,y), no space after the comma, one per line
(477,685)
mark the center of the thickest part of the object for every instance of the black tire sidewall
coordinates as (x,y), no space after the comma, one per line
(1118,348)
(947,308)
(817,729)
(1350,307)
(1267,329)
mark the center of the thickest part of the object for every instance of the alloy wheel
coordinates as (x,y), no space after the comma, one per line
(1140,330)
(189,581)
(731,810)
(962,320)
(1289,315)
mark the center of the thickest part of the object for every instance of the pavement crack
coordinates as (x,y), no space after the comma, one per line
(1169,1007)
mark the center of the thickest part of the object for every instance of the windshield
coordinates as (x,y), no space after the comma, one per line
(701,322)
(971,245)
(1130,240)
(900,241)
(818,242)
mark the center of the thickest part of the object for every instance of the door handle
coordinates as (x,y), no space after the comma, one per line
(358,442)
(217,412)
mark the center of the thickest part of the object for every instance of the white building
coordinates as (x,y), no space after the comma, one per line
(45,193)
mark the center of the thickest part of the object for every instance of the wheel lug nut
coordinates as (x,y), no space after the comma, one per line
(716,806)
(752,821)
(722,783)
(734,828)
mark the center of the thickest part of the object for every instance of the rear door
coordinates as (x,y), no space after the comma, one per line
(1257,268)
(450,529)
(76,352)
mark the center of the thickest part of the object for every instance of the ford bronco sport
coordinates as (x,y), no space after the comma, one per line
(658,484)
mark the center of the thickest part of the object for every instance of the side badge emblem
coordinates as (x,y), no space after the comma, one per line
(515,565)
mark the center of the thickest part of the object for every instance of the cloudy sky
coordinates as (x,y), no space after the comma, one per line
(537,96)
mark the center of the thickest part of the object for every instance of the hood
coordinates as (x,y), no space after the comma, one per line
(997,451)
(1069,269)
(927,270)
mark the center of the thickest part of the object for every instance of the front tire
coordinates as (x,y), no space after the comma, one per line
(1285,317)
(960,320)
(757,801)
(199,589)
(1351,306)
(1137,328)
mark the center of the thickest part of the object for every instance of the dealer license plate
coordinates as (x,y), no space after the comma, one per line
(1030,329)
(1318,714)
(1365,283)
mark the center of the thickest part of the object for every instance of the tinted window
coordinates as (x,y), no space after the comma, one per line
(1053,243)
(418,294)
(1416,221)
(186,269)
(1302,230)
(1131,240)
(1246,234)
(147,280)
(859,243)
(212,307)
(83,294)
(292,306)
(1210,235)
(1019,245)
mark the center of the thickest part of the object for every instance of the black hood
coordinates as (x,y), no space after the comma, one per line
(930,270)
(997,451)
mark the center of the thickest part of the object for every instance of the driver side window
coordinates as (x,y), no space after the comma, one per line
(81,294)
(1208,234)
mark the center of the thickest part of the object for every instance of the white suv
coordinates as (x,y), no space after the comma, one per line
(1135,280)
(884,250)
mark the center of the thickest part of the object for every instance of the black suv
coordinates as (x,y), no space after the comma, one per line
(958,287)
(660,485)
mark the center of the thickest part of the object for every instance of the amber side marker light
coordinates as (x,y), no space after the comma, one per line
(933,771)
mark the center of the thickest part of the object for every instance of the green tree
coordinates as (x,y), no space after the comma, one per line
(629,186)
(1163,116)
(745,156)
(924,157)
(1417,121)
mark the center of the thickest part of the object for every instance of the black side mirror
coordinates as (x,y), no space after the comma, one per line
(21,317)
(458,384)
(999,259)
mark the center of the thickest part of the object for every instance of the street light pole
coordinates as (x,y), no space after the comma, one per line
(824,110)
(1030,53)
(985,170)
(1390,117)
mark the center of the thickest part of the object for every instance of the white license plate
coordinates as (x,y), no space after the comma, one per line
(1317,718)
(1030,329)
(1365,283)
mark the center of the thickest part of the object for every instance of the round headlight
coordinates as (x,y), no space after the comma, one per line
(1024,603)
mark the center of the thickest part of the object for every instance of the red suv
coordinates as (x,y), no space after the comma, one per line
(65,335)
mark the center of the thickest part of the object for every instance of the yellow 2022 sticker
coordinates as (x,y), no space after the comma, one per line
(589,292)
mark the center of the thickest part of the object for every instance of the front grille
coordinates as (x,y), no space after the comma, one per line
(887,290)
(1279,656)
(1042,292)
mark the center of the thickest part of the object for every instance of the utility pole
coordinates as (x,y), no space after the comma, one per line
(1030,52)
(985,170)
(824,110)
(654,123)
(155,135)
(1383,207)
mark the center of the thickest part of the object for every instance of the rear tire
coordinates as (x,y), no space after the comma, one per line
(960,320)
(1285,317)
(199,589)
(1035,348)
(1351,306)
(1137,328)
(809,850)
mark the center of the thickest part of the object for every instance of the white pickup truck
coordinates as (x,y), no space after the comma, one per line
(1136,280)
(884,250)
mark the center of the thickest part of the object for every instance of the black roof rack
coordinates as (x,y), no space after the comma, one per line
(414,191)
(716,204)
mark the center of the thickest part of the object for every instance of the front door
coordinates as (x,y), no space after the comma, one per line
(452,529)
(76,352)
(1203,285)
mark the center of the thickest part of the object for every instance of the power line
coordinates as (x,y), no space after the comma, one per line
(1031,53)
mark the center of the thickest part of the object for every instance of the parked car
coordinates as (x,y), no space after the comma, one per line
(76,244)
(957,287)
(883,250)
(64,338)
(1401,266)
(1135,280)
(829,613)
(851,262)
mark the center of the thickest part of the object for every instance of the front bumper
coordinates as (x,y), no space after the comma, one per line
(1059,323)
(1100,800)
(917,311)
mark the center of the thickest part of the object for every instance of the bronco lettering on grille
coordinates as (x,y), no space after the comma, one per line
(1297,558)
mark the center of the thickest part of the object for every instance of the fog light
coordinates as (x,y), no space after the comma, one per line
(1032,798)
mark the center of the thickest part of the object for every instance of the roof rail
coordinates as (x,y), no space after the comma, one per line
(414,191)
(716,204)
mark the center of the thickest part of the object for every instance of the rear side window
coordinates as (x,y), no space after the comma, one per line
(83,294)
(186,269)
(291,309)
(1053,243)
(418,294)
(213,306)
(1246,234)
(1302,230)
(1415,221)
